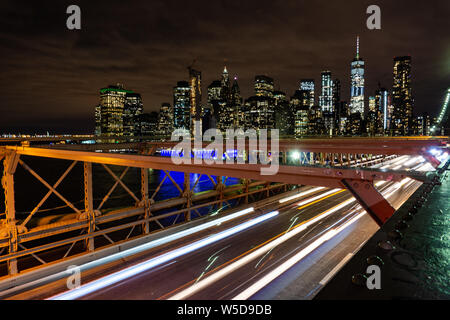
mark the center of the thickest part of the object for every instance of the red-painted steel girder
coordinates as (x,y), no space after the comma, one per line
(370,199)
(432,159)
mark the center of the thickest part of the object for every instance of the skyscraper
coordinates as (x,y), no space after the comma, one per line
(300,104)
(225,84)
(401,96)
(326,102)
(336,94)
(132,109)
(148,123)
(224,101)
(326,98)
(112,103)
(342,117)
(165,119)
(308,85)
(227,112)
(181,105)
(263,86)
(383,101)
(195,83)
(371,118)
(357,83)
(332,123)
(259,113)
(284,120)
(236,103)
(98,120)
(214,96)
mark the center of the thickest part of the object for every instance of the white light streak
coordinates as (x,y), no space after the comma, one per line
(295,196)
(258,285)
(157,261)
(255,254)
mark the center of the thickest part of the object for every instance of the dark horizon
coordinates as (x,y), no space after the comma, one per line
(52,75)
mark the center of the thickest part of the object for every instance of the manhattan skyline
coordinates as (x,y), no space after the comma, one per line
(51,75)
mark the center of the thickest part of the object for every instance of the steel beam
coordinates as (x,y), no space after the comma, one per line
(315,176)
(89,204)
(145,202)
(384,146)
(370,199)
(9,168)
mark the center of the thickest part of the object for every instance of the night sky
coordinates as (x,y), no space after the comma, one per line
(51,76)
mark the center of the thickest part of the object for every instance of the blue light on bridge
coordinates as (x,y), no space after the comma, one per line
(199,154)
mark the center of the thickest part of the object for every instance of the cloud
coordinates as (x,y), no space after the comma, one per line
(49,72)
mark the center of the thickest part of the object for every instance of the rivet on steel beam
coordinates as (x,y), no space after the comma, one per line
(395,234)
(376,260)
(407,217)
(385,246)
(359,279)
(402,225)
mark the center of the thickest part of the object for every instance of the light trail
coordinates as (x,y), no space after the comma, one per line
(295,196)
(320,196)
(255,254)
(132,251)
(261,283)
(279,240)
(282,201)
(157,261)
(397,161)
(413,161)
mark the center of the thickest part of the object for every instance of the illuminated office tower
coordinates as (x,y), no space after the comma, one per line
(227,111)
(259,113)
(401,96)
(308,85)
(98,120)
(382,106)
(131,111)
(165,119)
(421,125)
(195,84)
(336,94)
(326,98)
(372,116)
(316,124)
(112,102)
(263,86)
(148,123)
(357,84)
(260,110)
(225,83)
(332,122)
(181,105)
(236,104)
(342,118)
(284,117)
(300,104)
(214,96)
(326,102)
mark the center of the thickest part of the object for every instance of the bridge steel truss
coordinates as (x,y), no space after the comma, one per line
(14,234)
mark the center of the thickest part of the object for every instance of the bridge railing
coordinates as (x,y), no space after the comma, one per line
(25,244)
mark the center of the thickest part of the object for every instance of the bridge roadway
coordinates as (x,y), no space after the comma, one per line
(176,277)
